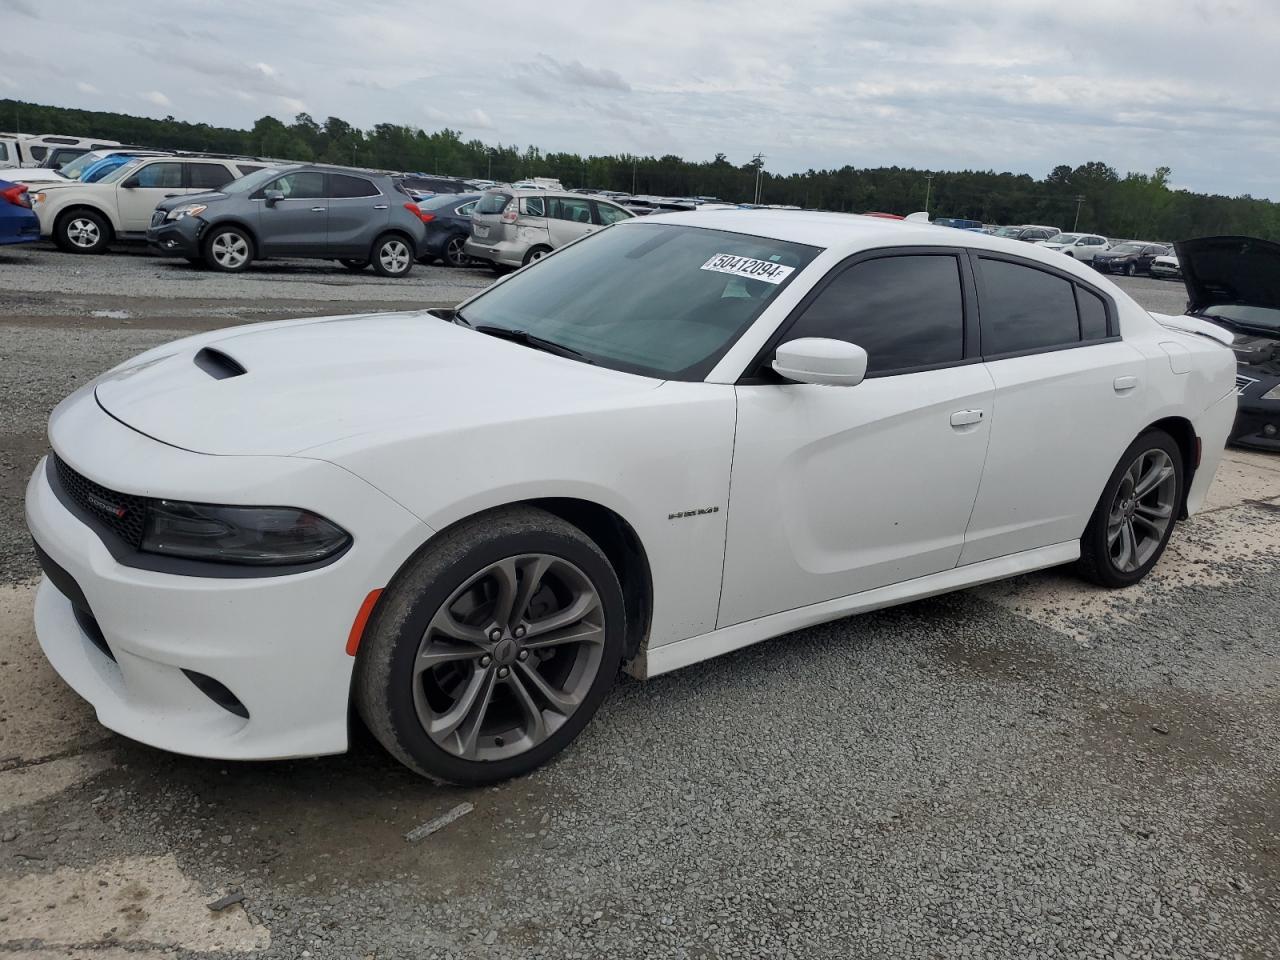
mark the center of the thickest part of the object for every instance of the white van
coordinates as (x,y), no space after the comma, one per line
(46,149)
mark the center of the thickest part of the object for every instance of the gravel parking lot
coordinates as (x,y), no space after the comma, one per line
(1036,768)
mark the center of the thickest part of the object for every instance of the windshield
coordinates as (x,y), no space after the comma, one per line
(663,300)
(1263,317)
(1008,231)
(1065,238)
(119,172)
(74,168)
(1127,248)
(250,182)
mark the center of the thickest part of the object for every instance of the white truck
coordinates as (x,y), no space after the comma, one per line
(45,149)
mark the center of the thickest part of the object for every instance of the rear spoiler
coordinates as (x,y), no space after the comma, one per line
(1185,324)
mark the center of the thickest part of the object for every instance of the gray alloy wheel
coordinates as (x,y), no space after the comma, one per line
(228,250)
(509,657)
(82,231)
(1142,510)
(454,255)
(392,257)
(537,253)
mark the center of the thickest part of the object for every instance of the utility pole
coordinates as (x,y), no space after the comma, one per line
(759,159)
(928,191)
(1076,225)
(489,175)
(633,176)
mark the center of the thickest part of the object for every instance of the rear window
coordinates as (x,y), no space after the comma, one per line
(663,300)
(493,203)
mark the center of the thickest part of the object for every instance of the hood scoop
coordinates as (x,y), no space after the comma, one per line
(219,365)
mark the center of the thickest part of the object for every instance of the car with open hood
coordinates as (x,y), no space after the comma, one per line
(665,441)
(1235,283)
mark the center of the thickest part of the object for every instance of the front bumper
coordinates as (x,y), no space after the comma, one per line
(176,238)
(19,230)
(1257,425)
(134,642)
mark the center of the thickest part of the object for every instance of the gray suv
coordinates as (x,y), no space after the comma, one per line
(356,217)
(510,227)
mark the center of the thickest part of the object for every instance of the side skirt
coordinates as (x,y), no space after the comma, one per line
(682,653)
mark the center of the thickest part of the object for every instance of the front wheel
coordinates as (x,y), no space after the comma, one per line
(228,249)
(392,256)
(1134,518)
(1131,270)
(492,650)
(82,231)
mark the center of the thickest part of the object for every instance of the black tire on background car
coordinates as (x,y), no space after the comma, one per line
(454,254)
(229,249)
(392,255)
(1131,270)
(82,231)
(354,265)
(535,253)
(492,649)
(1136,513)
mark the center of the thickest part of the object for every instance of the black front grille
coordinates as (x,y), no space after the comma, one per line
(124,513)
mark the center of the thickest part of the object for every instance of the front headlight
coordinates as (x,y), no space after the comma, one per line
(187,210)
(259,536)
(1273,393)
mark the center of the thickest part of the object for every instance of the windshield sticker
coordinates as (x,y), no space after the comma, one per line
(748,268)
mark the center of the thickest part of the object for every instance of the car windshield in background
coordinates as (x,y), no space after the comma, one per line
(493,203)
(1066,238)
(1008,231)
(1260,318)
(663,300)
(252,181)
(74,168)
(121,171)
(1127,248)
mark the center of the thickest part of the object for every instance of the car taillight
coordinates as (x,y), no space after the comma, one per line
(17,195)
(419,213)
(510,214)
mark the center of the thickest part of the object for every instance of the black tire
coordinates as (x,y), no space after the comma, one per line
(535,253)
(354,266)
(82,231)
(499,268)
(454,255)
(392,256)
(1131,270)
(228,249)
(384,685)
(1096,561)
(1069,254)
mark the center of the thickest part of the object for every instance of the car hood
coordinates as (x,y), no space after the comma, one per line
(282,388)
(1230,270)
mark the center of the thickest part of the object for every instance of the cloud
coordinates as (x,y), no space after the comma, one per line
(266,69)
(292,104)
(87,87)
(472,119)
(8,82)
(574,73)
(157,98)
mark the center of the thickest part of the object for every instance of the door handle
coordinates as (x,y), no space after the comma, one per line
(317,209)
(379,206)
(966,418)
(1124,384)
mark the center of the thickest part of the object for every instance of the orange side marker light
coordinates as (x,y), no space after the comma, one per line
(362,617)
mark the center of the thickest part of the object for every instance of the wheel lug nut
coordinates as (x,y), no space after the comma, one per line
(524,654)
(485,661)
(502,674)
(495,635)
(520,632)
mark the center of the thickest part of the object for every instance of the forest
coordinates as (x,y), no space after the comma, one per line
(1132,204)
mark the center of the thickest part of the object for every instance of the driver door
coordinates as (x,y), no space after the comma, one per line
(140,191)
(836,490)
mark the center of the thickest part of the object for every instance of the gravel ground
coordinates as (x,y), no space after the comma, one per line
(1033,769)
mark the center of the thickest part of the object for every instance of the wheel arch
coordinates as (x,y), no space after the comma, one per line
(239,224)
(1184,435)
(82,205)
(415,248)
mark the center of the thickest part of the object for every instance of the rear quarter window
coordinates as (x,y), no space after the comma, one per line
(1025,309)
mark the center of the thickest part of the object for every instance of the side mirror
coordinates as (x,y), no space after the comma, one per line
(130,183)
(832,363)
(273,197)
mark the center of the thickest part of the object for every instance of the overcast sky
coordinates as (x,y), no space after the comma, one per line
(1017,85)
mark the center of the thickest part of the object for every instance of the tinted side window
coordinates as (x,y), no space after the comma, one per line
(466,208)
(571,208)
(1025,309)
(304,185)
(4,152)
(248,168)
(37,153)
(904,311)
(611,214)
(534,206)
(208,176)
(160,175)
(341,185)
(1093,315)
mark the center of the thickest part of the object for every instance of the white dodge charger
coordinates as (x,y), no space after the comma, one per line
(669,440)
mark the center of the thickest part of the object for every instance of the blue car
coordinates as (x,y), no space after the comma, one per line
(448,220)
(17,223)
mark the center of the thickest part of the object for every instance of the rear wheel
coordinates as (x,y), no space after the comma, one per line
(493,649)
(535,253)
(228,249)
(1131,270)
(454,253)
(1135,515)
(392,256)
(82,231)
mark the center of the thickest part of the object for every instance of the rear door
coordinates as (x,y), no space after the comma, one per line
(139,191)
(297,224)
(358,211)
(569,218)
(1068,401)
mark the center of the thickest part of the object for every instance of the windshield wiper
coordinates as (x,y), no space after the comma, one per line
(527,339)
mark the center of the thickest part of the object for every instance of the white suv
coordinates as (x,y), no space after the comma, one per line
(86,217)
(1081,246)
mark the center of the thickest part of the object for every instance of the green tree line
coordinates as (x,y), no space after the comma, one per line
(1129,205)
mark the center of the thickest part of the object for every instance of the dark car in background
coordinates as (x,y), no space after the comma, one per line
(427,184)
(448,220)
(309,211)
(1028,233)
(1130,258)
(1234,282)
(17,223)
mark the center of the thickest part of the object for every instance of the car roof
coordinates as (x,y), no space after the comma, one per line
(850,232)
